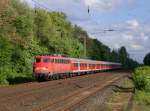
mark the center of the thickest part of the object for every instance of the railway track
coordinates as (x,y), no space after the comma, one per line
(49,96)
(65,103)
(31,90)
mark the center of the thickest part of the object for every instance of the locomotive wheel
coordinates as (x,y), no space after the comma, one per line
(53,78)
(50,77)
(70,75)
(64,75)
(67,75)
(57,77)
(61,76)
(78,73)
(41,79)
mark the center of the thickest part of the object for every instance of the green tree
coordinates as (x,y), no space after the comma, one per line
(147,59)
(123,55)
(114,56)
(26,32)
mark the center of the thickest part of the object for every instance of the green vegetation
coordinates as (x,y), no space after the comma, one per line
(141,101)
(141,78)
(26,32)
(147,59)
(143,97)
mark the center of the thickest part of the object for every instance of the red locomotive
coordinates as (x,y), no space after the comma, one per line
(55,66)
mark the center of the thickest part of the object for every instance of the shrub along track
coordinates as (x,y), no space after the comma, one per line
(54,95)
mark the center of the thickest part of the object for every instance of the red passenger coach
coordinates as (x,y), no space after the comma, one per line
(54,67)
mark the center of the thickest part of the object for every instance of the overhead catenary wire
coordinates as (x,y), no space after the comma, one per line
(36,3)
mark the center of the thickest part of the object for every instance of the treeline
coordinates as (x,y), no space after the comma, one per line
(26,32)
(146,59)
(98,51)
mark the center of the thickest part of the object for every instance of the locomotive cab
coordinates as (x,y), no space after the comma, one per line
(41,67)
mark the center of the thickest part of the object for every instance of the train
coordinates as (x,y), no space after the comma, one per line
(48,67)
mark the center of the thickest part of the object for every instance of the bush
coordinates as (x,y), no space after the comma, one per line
(141,78)
(4,73)
(142,99)
(3,79)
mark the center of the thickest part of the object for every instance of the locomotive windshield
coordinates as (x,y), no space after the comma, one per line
(38,60)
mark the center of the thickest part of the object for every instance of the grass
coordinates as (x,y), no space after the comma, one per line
(120,99)
(143,97)
(141,101)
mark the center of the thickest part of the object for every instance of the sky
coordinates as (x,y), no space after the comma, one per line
(129,21)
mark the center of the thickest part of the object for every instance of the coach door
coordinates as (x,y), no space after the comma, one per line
(78,66)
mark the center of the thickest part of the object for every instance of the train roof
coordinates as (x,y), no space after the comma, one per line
(78,59)
(95,61)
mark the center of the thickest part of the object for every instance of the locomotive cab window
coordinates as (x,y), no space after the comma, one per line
(38,59)
(48,60)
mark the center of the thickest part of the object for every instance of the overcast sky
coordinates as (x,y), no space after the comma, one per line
(129,19)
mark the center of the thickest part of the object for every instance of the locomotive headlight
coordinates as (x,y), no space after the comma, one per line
(44,68)
(41,68)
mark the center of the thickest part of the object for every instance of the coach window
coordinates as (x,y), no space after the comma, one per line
(52,60)
(55,60)
(67,62)
(93,66)
(89,65)
(61,61)
(75,64)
